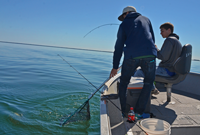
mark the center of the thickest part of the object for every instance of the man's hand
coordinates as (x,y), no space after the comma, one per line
(156,46)
(113,72)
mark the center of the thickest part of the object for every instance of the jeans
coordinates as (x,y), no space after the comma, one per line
(159,71)
(148,66)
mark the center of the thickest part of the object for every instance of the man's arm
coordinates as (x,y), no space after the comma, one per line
(165,52)
(113,72)
(152,33)
(119,45)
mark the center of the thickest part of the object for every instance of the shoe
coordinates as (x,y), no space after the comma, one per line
(155,91)
(146,115)
(143,116)
(138,116)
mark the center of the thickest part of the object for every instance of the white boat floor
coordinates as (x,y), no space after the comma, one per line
(183,115)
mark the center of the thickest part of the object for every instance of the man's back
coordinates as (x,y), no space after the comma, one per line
(139,36)
(169,52)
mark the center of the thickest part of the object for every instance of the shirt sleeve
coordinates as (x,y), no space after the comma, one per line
(165,52)
(152,33)
(119,45)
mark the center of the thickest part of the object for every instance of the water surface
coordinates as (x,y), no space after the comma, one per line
(37,88)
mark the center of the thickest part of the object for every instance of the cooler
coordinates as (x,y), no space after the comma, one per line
(133,92)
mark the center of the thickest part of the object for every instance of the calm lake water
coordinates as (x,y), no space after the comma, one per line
(37,88)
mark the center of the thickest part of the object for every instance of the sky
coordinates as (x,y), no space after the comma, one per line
(66,22)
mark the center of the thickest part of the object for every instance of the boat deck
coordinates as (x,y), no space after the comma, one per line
(183,115)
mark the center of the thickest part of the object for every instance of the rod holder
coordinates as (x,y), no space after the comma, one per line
(169,89)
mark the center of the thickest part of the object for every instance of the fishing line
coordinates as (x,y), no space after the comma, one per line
(97,90)
(85,77)
(99,27)
(78,72)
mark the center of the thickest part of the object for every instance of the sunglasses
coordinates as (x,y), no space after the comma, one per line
(124,13)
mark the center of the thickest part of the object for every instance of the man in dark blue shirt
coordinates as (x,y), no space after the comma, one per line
(136,39)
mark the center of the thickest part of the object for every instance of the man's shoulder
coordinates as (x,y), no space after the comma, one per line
(141,17)
(172,39)
(173,36)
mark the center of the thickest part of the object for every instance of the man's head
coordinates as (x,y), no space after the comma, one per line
(125,11)
(166,29)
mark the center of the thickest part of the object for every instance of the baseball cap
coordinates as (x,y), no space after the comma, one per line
(126,9)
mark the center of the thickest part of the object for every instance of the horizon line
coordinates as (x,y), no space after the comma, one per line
(20,43)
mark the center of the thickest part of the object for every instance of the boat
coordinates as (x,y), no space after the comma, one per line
(178,104)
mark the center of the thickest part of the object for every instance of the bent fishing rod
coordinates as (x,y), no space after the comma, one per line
(97,90)
(99,27)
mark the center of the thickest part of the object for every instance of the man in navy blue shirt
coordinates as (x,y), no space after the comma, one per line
(136,39)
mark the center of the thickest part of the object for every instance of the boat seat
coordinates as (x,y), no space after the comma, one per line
(181,67)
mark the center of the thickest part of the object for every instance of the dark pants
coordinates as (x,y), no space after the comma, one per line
(148,66)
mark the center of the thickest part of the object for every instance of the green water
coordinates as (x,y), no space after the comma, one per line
(37,88)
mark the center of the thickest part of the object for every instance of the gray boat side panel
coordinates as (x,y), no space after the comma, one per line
(114,116)
(116,120)
(104,120)
(190,84)
(114,112)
